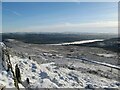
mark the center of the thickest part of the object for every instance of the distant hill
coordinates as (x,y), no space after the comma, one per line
(54,38)
(112,44)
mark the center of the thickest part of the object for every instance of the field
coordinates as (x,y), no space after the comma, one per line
(63,66)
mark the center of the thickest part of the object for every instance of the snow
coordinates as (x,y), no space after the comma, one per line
(80,42)
(106,55)
(102,63)
(6,79)
(2,44)
(49,76)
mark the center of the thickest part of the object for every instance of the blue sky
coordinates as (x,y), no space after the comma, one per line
(0,18)
(60,17)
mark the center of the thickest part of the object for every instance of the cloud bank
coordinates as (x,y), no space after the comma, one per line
(100,27)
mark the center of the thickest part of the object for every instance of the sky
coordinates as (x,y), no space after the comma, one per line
(60,0)
(0,20)
(90,17)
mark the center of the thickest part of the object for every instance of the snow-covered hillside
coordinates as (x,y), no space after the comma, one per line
(50,76)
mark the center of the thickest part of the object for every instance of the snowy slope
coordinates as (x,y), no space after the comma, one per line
(2,44)
(48,75)
(6,78)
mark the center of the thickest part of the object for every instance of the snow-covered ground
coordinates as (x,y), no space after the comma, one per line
(106,55)
(50,76)
(6,79)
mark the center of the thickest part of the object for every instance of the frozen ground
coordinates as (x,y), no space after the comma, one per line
(42,53)
(61,67)
(49,75)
